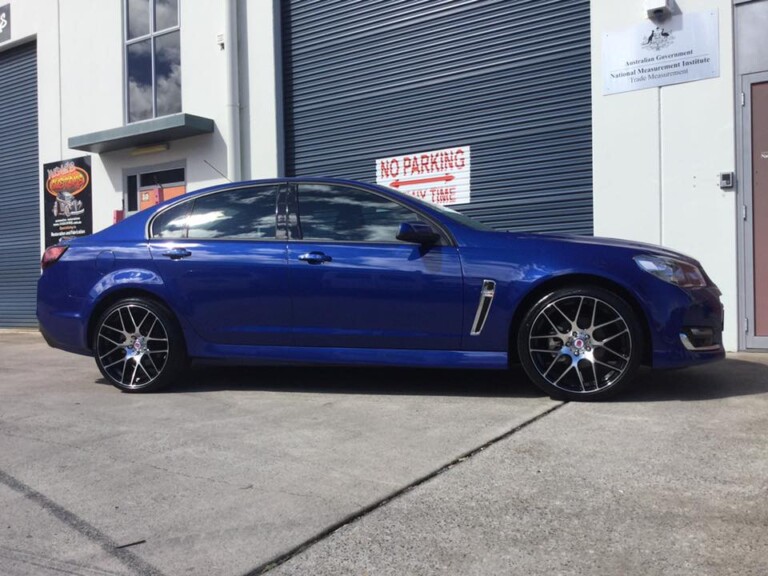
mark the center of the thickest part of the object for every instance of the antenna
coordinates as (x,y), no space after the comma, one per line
(217,171)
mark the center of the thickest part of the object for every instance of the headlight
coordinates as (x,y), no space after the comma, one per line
(674,271)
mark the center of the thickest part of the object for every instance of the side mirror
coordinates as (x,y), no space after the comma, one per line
(418,233)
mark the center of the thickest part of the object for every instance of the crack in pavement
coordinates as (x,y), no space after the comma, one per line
(356,516)
(124,555)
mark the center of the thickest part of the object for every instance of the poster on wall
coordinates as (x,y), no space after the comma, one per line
(440,176)
(682,48)
(5,23)
(67,199)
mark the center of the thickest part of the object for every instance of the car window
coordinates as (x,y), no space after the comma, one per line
(172,223)
(342,214)
(243,214)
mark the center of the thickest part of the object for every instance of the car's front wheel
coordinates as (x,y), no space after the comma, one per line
(580,343)
(138,345)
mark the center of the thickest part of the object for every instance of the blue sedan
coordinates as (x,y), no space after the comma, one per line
(325,271)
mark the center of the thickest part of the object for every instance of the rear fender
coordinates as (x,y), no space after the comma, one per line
(126,278)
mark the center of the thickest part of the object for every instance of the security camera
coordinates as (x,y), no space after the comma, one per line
(657,9)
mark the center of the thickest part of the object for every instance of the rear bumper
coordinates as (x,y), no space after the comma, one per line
(60,319)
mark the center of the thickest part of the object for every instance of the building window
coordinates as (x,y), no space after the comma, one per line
(153,58)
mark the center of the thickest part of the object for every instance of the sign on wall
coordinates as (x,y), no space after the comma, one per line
(441,176)
(682,48)
(67,199)
(5,23)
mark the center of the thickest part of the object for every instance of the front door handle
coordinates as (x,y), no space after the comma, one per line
(315,258)
(177,253)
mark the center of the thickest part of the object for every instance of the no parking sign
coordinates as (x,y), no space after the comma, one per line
(440,176)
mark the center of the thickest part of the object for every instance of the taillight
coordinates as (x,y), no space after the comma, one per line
(52,255)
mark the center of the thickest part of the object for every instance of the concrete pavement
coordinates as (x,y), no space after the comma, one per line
(378,472)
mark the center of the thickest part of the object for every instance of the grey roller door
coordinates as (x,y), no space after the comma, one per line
(19,187)
(510,78)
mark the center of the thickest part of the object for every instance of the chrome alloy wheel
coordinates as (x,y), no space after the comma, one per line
(580,344)
(132,346)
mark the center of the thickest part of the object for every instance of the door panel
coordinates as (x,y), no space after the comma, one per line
(226,271)
(376,295)
(754,196)
(759,155)
(231,292)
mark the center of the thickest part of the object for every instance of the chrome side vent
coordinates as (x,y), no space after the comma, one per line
(483,307)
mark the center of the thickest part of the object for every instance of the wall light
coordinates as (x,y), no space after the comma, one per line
(657,9)
(141,150)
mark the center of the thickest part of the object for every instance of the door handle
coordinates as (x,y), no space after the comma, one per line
(315,258)
(177,253)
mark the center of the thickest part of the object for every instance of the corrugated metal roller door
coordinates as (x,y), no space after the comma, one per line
(19,186)
(511,79)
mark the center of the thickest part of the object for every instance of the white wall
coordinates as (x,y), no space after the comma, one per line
(261,82)
(657,153)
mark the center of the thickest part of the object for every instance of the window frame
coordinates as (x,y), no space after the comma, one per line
(151,37)
(294,212)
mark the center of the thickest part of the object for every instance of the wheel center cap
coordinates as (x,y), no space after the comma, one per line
(138,346)
(579,343)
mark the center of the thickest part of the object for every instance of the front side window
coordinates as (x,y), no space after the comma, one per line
(342,214)
(153,58)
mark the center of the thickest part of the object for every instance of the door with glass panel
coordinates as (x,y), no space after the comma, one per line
(755,196)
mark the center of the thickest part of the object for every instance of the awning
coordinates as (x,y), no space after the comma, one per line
(143,133)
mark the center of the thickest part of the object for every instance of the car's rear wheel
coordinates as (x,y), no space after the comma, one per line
(138,345)
(580,343)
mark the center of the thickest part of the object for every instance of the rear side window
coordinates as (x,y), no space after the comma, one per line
(172,223)
(243,214)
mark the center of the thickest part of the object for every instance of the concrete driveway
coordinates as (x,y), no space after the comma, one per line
(307,471)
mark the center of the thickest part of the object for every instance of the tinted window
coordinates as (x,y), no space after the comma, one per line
(172,223)
(338,213)
(244,214)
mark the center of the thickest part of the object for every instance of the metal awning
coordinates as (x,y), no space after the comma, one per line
(143,133)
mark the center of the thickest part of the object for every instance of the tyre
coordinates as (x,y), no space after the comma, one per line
(138,345)
(580,343)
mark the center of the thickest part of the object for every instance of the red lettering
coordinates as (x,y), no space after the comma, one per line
(406,165)
(460,160)
(425,162)
(443,195)
(415,165)
(433,166)
(448,159)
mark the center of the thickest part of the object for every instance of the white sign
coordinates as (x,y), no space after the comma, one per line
(682,48)
(440,177)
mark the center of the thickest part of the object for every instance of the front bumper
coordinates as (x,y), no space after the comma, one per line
(694,333)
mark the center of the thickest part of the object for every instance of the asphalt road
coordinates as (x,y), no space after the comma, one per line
(358,471)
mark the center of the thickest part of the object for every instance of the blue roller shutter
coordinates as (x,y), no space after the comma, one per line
(510,78)
(20,187)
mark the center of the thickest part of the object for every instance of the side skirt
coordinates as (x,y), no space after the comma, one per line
(271,355)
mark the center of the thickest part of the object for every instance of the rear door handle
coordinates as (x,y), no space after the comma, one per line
(177,253)
(315,258)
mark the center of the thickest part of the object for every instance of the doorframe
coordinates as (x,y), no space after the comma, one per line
(747,338)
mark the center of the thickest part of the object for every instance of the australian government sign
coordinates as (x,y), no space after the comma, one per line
(682,48)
